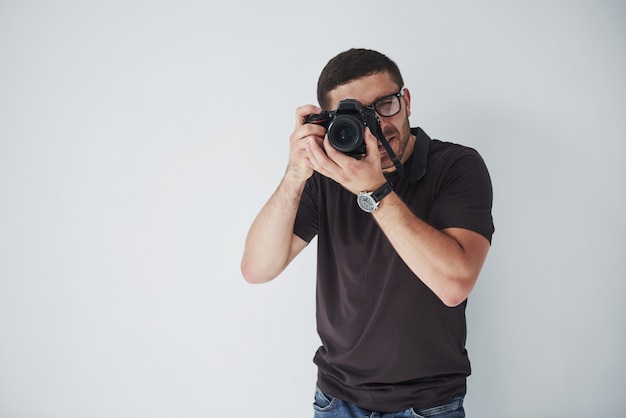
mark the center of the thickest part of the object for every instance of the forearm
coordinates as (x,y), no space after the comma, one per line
(448,261)
(269,245)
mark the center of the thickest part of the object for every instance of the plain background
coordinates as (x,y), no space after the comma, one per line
(138,140)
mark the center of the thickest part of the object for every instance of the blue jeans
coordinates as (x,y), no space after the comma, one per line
(326,406)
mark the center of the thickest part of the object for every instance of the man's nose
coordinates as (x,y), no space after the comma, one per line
(384,122)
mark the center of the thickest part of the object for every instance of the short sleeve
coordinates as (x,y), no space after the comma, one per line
(465,197)
(307,218)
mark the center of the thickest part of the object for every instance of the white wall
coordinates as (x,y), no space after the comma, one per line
(138,139)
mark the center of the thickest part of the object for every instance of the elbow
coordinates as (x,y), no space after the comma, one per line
(458,292)
(249,274)
(453,300)
(252,273)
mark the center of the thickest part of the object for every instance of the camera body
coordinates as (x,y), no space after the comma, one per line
(346,126)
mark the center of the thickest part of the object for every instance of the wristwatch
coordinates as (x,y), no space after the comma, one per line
(368,201)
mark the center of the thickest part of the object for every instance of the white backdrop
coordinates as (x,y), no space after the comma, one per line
(138,139)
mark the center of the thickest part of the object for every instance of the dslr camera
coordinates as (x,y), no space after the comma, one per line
(346,126)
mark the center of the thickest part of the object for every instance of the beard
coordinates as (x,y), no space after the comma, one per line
(399,139)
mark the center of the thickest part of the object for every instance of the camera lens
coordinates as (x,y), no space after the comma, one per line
(345,133)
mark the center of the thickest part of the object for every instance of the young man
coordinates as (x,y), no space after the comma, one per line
(395,267)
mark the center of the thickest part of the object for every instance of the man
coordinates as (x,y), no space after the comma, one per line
(394,270)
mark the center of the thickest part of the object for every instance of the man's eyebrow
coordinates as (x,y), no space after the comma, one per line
(384,96)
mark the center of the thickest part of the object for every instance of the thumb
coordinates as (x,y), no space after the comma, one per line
(371,144)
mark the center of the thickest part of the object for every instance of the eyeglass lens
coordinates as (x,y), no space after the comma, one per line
(388,106)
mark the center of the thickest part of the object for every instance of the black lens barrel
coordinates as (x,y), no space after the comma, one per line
(346,133)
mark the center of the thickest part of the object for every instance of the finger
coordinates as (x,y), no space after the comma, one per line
(322,162)
(338,157)
(313,130)
(371,144)
(307,132)
(303,111)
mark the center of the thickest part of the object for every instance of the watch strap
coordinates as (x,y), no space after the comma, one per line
(382,191)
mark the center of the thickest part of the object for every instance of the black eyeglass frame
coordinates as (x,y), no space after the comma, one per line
(397,95)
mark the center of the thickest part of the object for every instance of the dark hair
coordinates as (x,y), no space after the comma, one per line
(351,65)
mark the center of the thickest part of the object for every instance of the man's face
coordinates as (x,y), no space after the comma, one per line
(396,129)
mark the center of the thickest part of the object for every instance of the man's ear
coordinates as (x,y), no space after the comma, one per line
(407,101)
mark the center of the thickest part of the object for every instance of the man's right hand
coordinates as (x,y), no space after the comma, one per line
(304,136)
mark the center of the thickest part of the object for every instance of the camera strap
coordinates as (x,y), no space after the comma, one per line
(394,157)
(420,155)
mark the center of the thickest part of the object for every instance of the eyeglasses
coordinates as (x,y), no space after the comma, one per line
(388,106)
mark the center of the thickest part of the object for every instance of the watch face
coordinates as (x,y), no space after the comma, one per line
(366,202)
